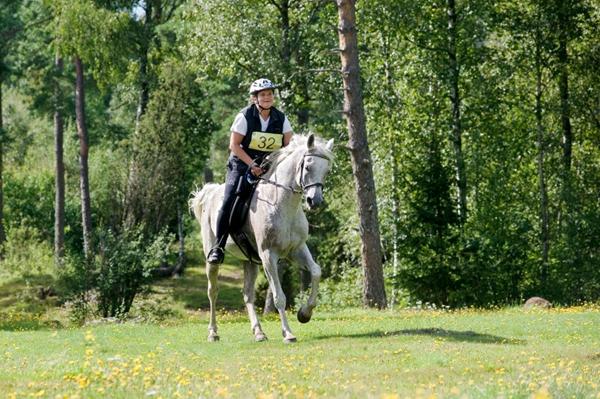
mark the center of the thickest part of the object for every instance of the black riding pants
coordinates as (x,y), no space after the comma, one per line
(236,168)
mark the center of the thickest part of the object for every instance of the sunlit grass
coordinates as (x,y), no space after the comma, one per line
(349,353)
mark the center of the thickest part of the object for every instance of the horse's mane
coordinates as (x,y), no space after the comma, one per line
(299,141)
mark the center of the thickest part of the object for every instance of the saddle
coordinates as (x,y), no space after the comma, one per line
(239,212)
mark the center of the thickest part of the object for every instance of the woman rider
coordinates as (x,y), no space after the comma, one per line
(257,130)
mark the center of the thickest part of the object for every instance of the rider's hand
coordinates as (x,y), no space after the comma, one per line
(256,170)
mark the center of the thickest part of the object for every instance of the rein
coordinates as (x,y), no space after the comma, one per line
(303,186)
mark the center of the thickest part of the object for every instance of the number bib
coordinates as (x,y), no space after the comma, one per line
(266,142)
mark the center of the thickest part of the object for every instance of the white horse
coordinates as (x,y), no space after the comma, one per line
(276,226)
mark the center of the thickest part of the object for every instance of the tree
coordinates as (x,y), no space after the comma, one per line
(455,98)
(9,28)
(82,133)
(373,290)
(81,25)
(59,186)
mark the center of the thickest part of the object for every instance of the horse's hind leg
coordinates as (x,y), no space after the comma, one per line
(212,272)
(250,273)
(303,258)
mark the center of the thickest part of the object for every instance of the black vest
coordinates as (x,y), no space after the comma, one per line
(276,119)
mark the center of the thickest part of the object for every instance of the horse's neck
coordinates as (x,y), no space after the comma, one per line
(285,171)
(284,175)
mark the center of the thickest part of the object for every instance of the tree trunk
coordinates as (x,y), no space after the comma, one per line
(180,267)
(461,177)
(59,182)
(565,109)
(374,289)
(2,138)
(544,218)
(391,105)
(86,219)
(144,93)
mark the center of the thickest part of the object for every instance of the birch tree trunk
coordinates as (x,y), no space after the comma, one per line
(461,177)
(86,219)
(59,178)
(544,218)
(144,93)
(373,289)
(565,109)
(181,260)
(391,104)
(2,137)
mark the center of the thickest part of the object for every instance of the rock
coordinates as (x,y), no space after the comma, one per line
(537,302)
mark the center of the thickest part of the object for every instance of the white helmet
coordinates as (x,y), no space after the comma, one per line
(260,85)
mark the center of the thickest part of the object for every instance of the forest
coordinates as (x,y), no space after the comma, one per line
(482,123)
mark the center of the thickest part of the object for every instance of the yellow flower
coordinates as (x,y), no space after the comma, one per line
(542,393)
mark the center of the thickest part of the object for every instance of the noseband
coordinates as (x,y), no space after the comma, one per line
(303,184)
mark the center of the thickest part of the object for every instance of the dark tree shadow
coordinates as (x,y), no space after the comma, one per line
(449,335)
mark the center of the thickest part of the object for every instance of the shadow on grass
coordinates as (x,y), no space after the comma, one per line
(30,325)
(449,335)
(190,289)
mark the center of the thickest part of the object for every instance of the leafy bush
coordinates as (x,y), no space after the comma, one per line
(344,292)
(110,282)
(29,201)
(125,265)
(26,253)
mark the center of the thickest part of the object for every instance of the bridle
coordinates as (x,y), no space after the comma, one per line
(302,184)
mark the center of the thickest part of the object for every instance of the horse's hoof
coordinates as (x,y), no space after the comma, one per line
(288,337)
(289,340)
(260,338)
(302,317)
(213,338)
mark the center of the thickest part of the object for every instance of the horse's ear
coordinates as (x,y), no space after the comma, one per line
(329,145)
(311,141)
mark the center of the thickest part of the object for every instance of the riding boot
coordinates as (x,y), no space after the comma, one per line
(217,253)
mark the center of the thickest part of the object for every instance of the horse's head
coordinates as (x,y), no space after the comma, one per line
(315,166)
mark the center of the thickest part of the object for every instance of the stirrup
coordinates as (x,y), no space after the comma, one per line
(215,256)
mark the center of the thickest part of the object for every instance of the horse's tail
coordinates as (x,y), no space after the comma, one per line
(196,203)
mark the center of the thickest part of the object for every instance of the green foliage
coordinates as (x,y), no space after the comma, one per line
(171,148)
(343,291)
(124,266)
(94,34)
(201,56)
(26,252)
(29,202)
(108,284)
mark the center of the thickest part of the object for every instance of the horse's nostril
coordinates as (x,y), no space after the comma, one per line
(309,201)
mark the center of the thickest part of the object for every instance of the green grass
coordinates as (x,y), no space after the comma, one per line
(346,353)
(350,353)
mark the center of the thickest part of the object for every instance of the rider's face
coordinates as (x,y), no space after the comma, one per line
(265,98)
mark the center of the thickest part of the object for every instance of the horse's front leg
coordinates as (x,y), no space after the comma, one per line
(303,258)
(212,272)
(250,272)
(270,259)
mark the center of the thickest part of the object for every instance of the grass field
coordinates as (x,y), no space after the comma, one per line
(346,353)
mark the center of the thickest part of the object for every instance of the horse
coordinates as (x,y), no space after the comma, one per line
(276,226)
